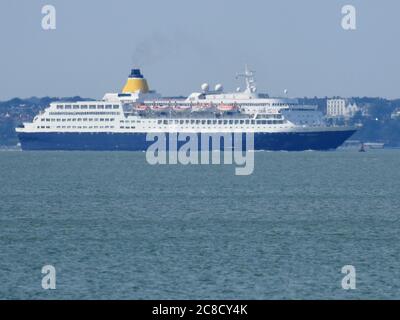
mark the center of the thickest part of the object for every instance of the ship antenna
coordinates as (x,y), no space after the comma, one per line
(248,75)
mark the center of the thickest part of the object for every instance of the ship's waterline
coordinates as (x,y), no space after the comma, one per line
(103,141)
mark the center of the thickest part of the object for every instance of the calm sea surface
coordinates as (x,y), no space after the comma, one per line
(116,227)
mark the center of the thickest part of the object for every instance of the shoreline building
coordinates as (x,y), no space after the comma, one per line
(395,114)
(341,108)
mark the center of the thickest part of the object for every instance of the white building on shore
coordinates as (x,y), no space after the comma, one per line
(395,114)
(341,108)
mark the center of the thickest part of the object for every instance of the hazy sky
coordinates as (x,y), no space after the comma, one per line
(179,44)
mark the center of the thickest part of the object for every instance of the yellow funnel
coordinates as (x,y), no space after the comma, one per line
(136,83)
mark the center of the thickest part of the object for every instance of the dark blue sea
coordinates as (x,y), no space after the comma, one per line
(115,227)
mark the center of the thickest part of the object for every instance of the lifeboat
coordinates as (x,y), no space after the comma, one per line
(180,108)
(160,108)
(226,107)
(141,107)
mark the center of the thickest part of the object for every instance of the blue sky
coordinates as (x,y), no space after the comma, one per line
(298,45)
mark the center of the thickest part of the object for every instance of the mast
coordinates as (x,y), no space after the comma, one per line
(248,75)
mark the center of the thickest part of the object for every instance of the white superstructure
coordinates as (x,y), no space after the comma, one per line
(203,111)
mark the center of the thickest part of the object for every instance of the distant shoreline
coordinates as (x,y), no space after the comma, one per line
(10,148)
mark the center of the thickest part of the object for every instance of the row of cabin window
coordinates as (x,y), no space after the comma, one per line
(87,113)
(269,116)
(77,127)
(267,104)
(85,106)
(200,121)
(214,122)
(186,127)
(308,122)
(91,127)
(77,119)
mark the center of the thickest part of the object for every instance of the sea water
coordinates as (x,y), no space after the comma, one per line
(115,227)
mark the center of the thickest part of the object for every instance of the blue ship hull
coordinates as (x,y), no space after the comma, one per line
(284,141)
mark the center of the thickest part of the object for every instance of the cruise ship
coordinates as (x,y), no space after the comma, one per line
(121,121)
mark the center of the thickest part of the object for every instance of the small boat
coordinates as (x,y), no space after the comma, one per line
(226,107)
(180,108)
(160,108)
(374,145)
(141,107)
(362,148)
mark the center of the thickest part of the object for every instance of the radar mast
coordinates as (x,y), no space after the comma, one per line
(248,75)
